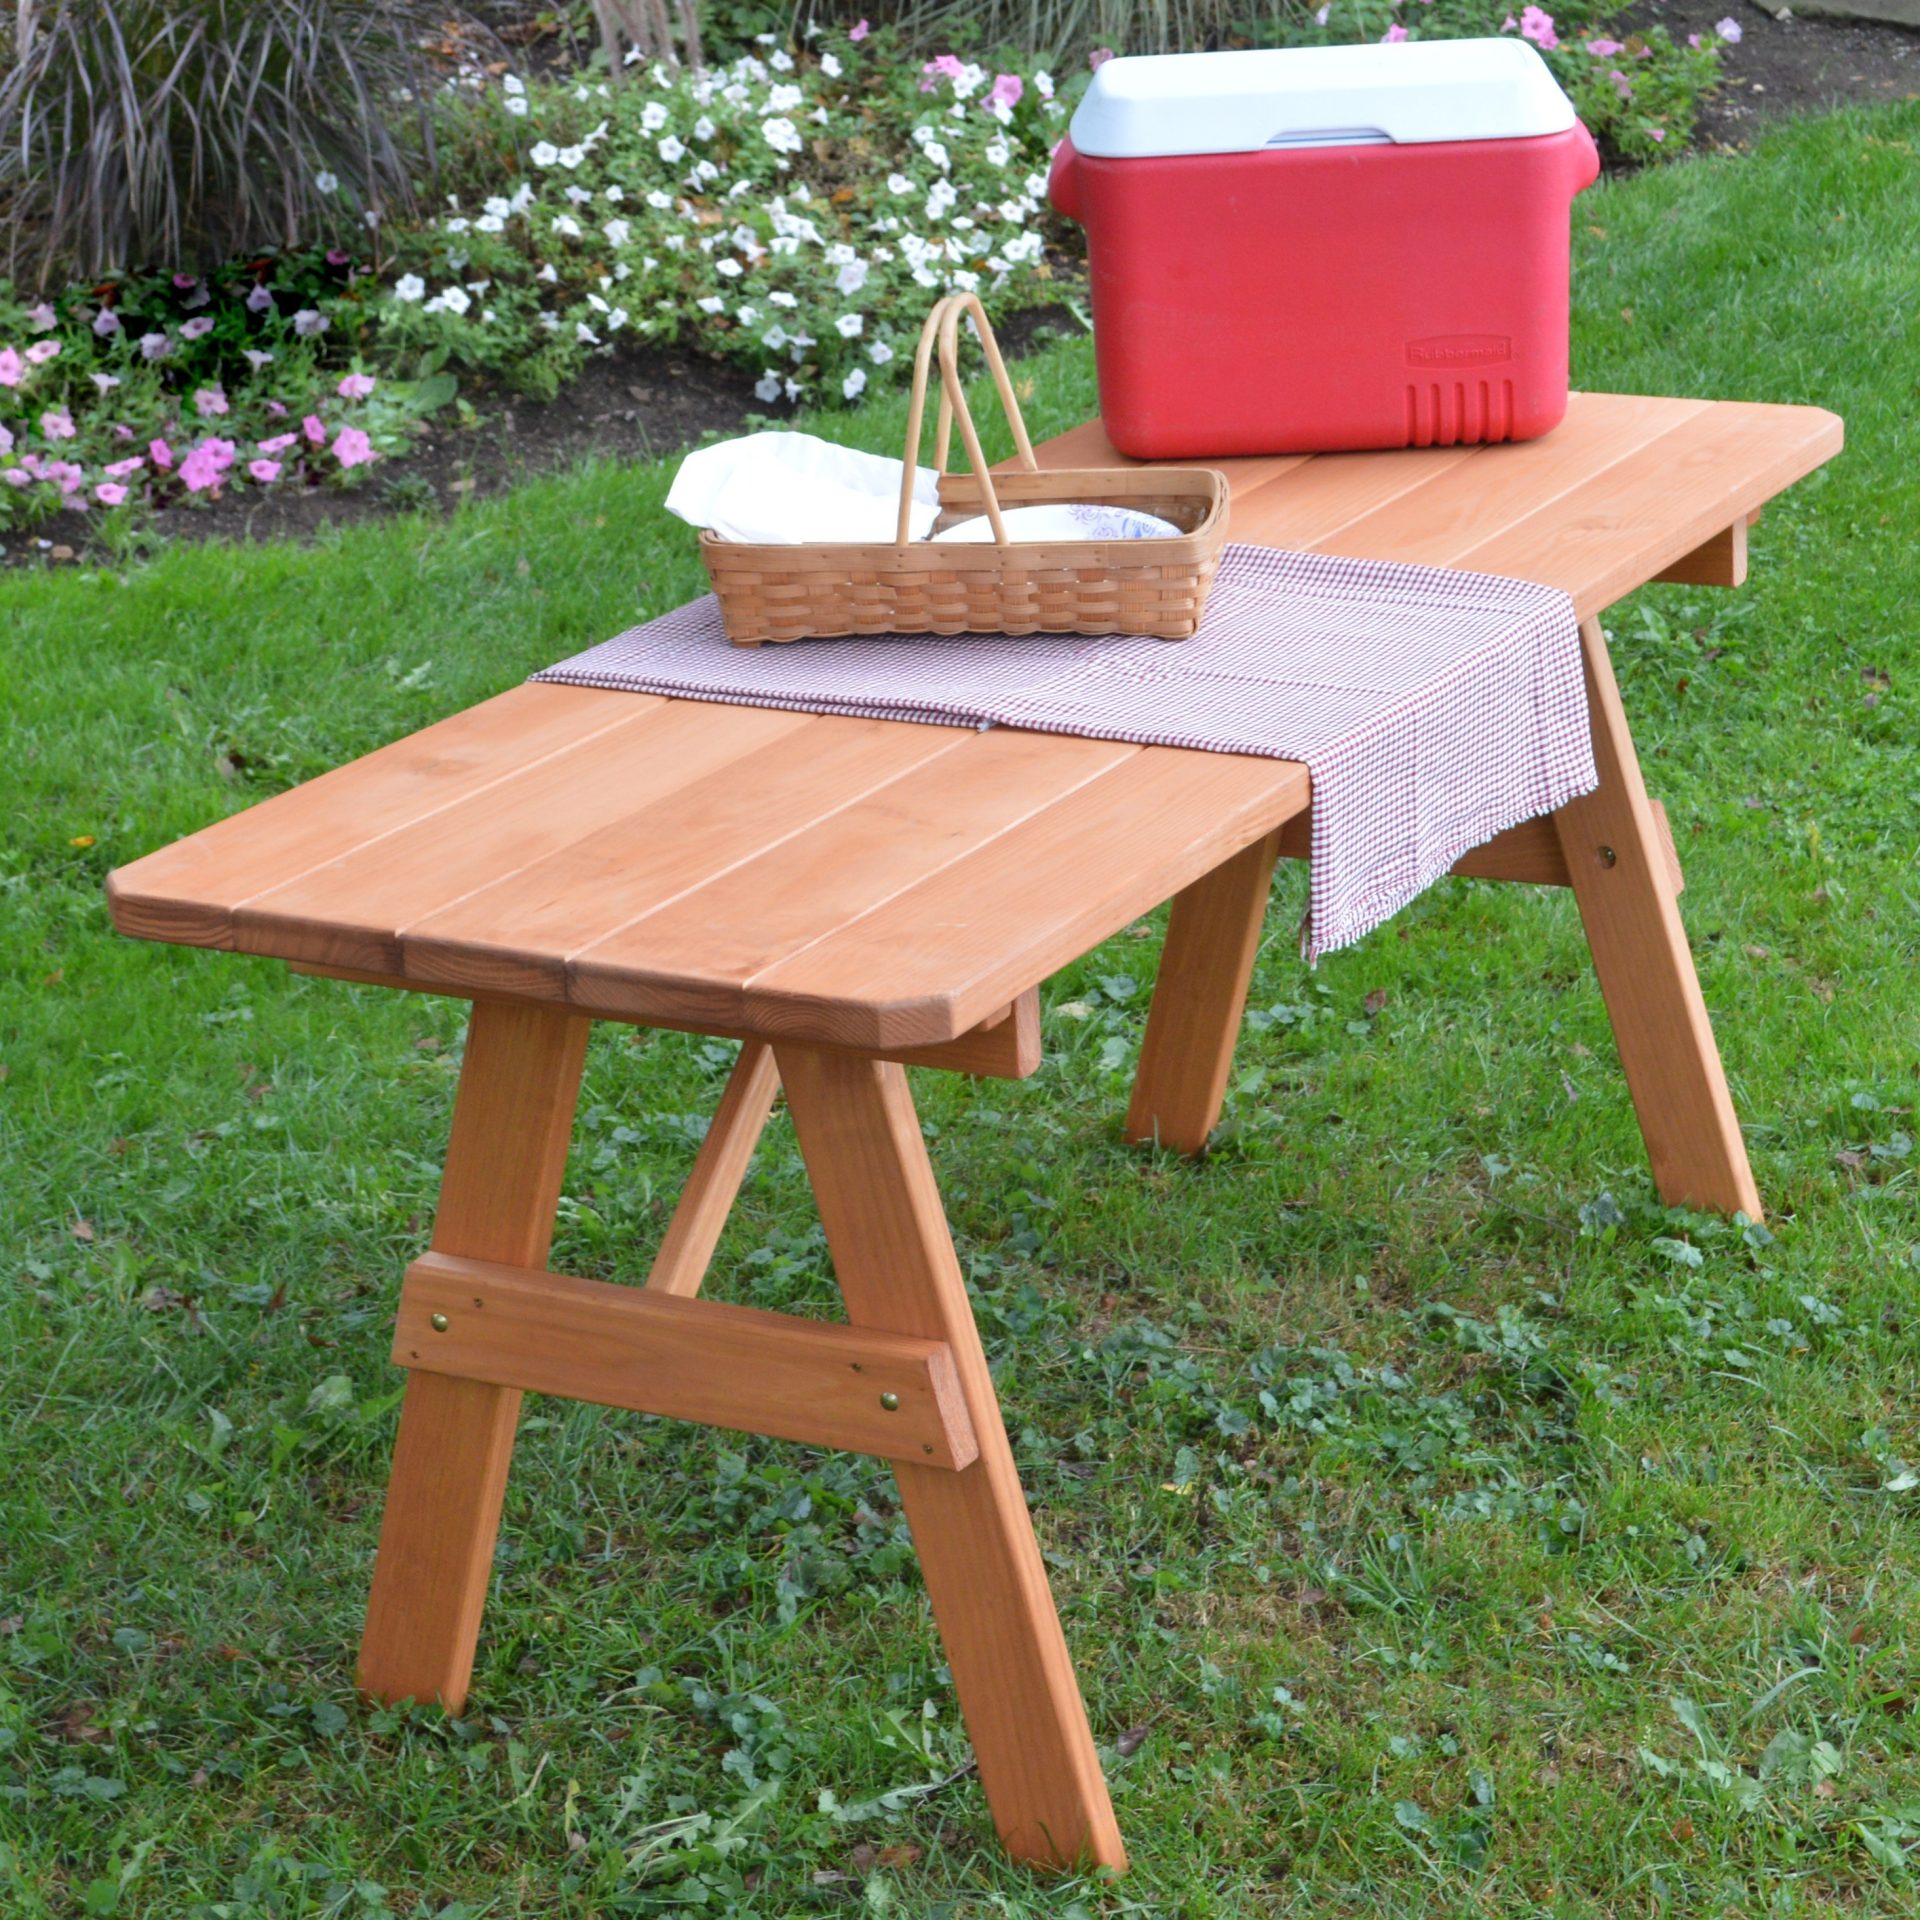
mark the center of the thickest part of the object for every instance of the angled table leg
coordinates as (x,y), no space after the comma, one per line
(891,1249)
(1198,999)
(718,1169)
(1618,866)
(511,1123)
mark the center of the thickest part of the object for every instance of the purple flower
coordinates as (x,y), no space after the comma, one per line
(1099,57)
(155,346)
(42,319)
(256,359)
(259,301)
(1729,30)
(57,424)
(106,323)
(104,383)
(183,281)
(12,368)
(308,321)
(6,438)
(335,258)
(858,31)
(1393,35)
(42,351)
(208,401)
(193,329)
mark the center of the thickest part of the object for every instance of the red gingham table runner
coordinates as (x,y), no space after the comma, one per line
(1432,708)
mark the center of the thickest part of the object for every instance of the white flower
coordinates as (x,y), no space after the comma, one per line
(617,232)
(855,384)
(617,318)
(729,269)
(782,300)
(851,278)
(774,337)
(703,128)
(850,326)
(490,223)
(616,192)
(499,207)
(516,105)
(1043,84)
(781,62)
(997,151)
(793,389)
(653,116)
(899,183)
(938,155)
(409,287)
(747,316)
(673,149)
(567,224)
(585,334)
(580,196)
(783,99)
(879,353)
(543,153)
(452,300)
(547,273)
(830,66)
(767,387)
(571,157)
(512,83)
(458,225)
(711,304)
(659,201)
(940,196)
(327,182)
(781,135)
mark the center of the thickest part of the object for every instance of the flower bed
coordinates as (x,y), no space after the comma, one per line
(792,212)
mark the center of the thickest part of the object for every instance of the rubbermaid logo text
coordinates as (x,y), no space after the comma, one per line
(1460,350)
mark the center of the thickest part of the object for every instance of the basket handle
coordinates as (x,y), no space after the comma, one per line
(942,330)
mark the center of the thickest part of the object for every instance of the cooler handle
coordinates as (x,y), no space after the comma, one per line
(1063,184)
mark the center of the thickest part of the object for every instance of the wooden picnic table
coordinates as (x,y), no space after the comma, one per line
(850,896)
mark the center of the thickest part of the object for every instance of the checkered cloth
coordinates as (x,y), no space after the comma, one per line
(1433,709)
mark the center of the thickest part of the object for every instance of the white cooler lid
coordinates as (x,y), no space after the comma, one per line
(1416,92)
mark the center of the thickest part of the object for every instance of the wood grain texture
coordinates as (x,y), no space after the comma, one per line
(724,1366)
(1199,995)
(1718,562)
(511,1122)
(895,1261)
(1618,865)
(687,1246)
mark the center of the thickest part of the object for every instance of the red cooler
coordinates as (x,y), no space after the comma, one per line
(1302,250)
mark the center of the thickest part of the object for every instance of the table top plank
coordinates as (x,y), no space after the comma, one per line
(186,892)
(875,883)
(696,958)
(351,912)
(942,955)
(518,935)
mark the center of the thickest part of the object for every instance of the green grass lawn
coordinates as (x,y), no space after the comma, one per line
(1441,1527)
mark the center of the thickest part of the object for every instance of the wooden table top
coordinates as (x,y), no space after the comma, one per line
(876,883)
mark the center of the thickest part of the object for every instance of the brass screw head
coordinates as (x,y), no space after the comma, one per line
(1608,857)
(890,1401)
(439,1323)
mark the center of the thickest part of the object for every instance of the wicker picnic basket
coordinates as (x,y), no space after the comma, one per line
(1154,586)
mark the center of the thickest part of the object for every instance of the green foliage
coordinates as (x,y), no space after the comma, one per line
(1442,1527)
(178,133)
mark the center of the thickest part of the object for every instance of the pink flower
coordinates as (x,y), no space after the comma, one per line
(1621,83)
(200,472)
(42,351)
(57,424)
(1007,90)
(121,469)
(311,426)
(1729,30)
(160,454)
(1693,40)
(264,470)
(355,386)
(859,31)
(6,438)
(110,493)
(335,258)
(208,401)
(1393,35)
(279,443)
(947,66)
(155,346)
(42,319)
(12,368)
(1537,26)
(276,409)
(352,448)
(184,281)
(1657,133)
(1604,49)
(121,431)
(219,451)
(193,329)
(1099,57)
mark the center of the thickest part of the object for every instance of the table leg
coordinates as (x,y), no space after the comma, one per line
(1621,879)
(1198,998)
(511,1123)
(718,1169)
(887,1231)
